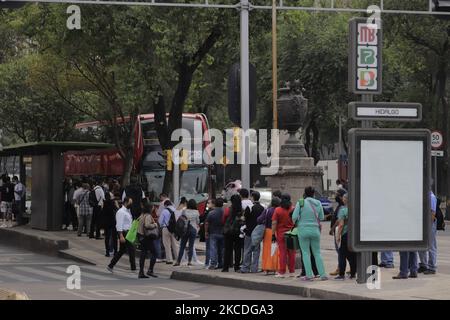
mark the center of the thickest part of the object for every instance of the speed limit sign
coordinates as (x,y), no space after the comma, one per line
(437,140)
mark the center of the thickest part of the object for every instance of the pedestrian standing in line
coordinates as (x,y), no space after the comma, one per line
(281,223)
(97,211)
(342,234)
(110,208)
(210,206)
(408,262)
(214,234)
(168,238)
(135,192)
(307,219)
(123,225)
(251,252)
(270,262)
(428,258)
(146,225)
(19,199)
(162,198)
(68,195)
(193,218)
(339,198)
(76,193)
(85,209)
(233,220)
(181,207)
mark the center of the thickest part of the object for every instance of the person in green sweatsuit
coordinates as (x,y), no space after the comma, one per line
(307,215)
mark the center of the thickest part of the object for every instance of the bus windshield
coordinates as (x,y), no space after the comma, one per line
(193,184)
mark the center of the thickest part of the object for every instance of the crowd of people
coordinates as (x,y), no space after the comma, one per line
(241,234)
(12,201)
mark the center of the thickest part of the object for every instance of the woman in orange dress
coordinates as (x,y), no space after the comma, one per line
(269,261)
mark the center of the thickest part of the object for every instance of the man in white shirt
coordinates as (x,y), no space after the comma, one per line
(162,198)
(169,242)
(124,220)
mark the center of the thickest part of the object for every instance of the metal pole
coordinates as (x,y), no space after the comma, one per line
(435,175)
(245,99)
(274,65)
(176,176)
(364,259)
(340,138)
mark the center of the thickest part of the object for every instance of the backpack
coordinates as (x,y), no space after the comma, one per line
(172,221)
(232,226)
(181,227)
(440,223)
(93,202)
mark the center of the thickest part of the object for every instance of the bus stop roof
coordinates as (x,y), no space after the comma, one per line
(43,147)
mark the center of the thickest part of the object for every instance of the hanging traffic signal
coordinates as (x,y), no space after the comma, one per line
(234,93)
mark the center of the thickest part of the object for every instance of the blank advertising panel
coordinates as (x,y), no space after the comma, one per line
(389,189)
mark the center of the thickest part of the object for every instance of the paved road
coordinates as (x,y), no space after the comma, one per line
(43,277)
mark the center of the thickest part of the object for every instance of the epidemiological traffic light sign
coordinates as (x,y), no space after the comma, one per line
(365,65)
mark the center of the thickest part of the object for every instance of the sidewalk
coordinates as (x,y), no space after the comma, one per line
(436,286)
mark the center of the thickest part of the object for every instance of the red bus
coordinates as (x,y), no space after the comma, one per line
(195,183)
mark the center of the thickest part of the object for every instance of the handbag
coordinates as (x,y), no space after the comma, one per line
(258,234)
(132,233)
(291,239)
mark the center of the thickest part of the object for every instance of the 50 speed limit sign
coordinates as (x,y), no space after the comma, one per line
(437,139)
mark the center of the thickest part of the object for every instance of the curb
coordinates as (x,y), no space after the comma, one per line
(306,292)
(66,254)
(33,243)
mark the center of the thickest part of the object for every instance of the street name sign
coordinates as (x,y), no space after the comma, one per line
(437,153)
(385,111)
(389,207)
(365,63)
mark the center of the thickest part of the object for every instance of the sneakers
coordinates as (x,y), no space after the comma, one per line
(142,276)
(305,278)
(151,274)
(340,278)
(110,269)
(429,272)
(280,275)
(176,264)
(422,269)
(291,274)
(324,278)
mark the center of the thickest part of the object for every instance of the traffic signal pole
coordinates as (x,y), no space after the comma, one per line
(245,96)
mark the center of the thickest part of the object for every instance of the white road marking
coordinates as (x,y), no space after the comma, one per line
(84,273)
(43,273)
(18,277)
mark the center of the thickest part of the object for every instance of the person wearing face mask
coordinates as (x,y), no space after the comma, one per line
(123,225)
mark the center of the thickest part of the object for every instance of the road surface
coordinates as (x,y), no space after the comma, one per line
(42,277)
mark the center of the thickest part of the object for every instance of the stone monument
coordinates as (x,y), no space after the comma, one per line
(296,170)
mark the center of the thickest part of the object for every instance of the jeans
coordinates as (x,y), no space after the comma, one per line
(408,261)
(309,240)
(344,255)
(428,258)
(208,252)
(216,247)
(251,256)
(110,239)
(147,246)
(95,223)
(192,233)
(158,248)
(84,221)
(125,247)
(387,258)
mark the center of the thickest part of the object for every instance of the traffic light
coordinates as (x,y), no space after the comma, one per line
(169,163)
(6,4)
(184,160)
(234,93)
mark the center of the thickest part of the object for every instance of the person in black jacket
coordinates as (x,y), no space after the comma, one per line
(135,192)
(251,252)
(110,207)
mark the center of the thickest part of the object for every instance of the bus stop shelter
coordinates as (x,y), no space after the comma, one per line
(47,171)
